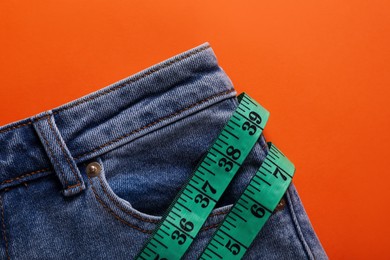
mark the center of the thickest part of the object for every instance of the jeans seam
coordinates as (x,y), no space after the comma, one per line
(14,127)
(297,226)
(132,80)
(117,139)
(145,74)
(25,175)
(211,226)
(114,214)
(135,215)
(132,225)
(153,123)
(120,206)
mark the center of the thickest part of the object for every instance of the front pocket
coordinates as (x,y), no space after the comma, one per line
(140,179)
(124,212)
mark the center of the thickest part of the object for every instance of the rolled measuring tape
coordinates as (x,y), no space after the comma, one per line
(195,201)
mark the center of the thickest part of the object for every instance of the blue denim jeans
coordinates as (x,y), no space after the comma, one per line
(147,132)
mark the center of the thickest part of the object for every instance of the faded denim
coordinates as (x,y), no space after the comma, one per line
(148,132)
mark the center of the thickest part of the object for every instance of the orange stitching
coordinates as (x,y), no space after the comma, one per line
(63,150)
(25,175)
(127,223)
(153,123)
(3,225)
(121,207)
(116,140)
(117,87)
(139,217)
(211,226)
(73,186)
(52,154)
(133,214)
(120,219)
(46,115)
(14,127)
(208,227)
(113,213)
(119,138)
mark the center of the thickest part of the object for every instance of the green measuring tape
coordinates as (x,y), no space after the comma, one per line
(249,214)
(195,201)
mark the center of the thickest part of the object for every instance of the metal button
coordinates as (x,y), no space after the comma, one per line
(281,205)
(94,169)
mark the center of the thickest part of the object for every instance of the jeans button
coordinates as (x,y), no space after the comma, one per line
(93,169)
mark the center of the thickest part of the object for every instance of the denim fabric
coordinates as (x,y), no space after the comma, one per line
(148,132)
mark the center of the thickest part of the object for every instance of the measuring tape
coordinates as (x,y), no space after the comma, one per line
(195,201)
(253,208)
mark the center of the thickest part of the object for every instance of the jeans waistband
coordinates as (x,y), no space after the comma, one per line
(111,116)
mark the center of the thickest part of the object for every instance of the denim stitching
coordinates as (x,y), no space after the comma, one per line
(298,227)
(211,226)
(133,214)
(127,223)
(14,127)
(118,139)
(66,155)
(121,207)
(153,123)
(115,215)
(52,154)
(170,63)
(219,213)
(25,175)
(3,226)
(74,186)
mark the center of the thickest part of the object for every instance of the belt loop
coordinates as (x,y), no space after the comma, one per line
(62,161)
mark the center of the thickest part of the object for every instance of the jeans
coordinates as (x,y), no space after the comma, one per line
(146,133)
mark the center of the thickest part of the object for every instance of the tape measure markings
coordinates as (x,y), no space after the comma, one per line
(185,217)
(238,229)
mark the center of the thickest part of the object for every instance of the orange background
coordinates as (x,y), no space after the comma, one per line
(320,67)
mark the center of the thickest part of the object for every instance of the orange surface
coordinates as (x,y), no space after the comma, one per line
(322,68)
